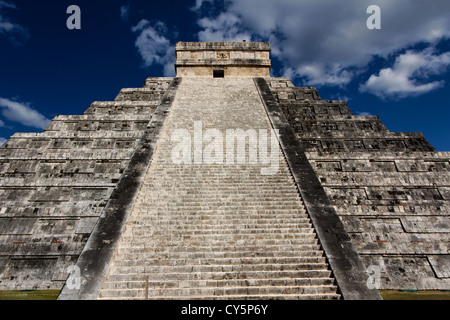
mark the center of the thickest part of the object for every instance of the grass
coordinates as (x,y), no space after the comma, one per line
(414,295)
(29,295)
(386,294)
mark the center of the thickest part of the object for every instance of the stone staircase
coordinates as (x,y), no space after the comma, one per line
(218,231)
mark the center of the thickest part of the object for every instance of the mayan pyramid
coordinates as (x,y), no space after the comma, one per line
(222,183)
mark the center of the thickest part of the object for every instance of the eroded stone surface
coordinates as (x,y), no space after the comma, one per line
(389,188)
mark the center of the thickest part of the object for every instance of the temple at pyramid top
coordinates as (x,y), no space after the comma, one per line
(222,59)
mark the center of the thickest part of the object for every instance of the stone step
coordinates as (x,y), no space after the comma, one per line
(139,94)
(29,154)
(217,196)
(142,268)
(228,171)
(221,255)
(169,237)
(144,282)
(282,249)
(54,135)
(216,261)
(218,292)
(189,199)
(138,231)
(243,297)
(218,192)
(232,176)
(223,222)
(225,213)
(213,221)
(121,108)
(217,243)
(215,228)
(220,215)
(216,180)
(215,276)
(228,203)
(75,180)
(207,212)
(267,205)
(218,205)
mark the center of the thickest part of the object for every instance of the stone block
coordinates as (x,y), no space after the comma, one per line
(406,272)
(17,226)
(29,274)
(426,224)
(440,265)
(444,192)
(86,225)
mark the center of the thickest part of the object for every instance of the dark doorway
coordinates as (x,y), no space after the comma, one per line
(219,73)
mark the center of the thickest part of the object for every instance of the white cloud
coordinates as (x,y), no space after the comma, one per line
(23,114)
(199,3)
(4,4)
(327,42)
(2,141)
(320,74)
(125,12)
(363,113)
(225,27)
(154,46)
(17,33)
(408,75)
(340,97)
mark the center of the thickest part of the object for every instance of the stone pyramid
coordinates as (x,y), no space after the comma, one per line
(222,183)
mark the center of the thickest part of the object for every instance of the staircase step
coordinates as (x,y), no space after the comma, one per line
(180,269)
(217,261)
(217,244)
(217,240)
(207,249)
(225,223)
(214,276)
(219,255)
(187,231)
(233,291)
(142,284)
(239,297)
(188,225)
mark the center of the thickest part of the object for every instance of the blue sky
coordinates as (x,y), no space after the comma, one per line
(400,72)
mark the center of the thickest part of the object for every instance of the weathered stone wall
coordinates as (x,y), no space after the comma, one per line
(54,185)
(391,190)
(229,72)
(237,59)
